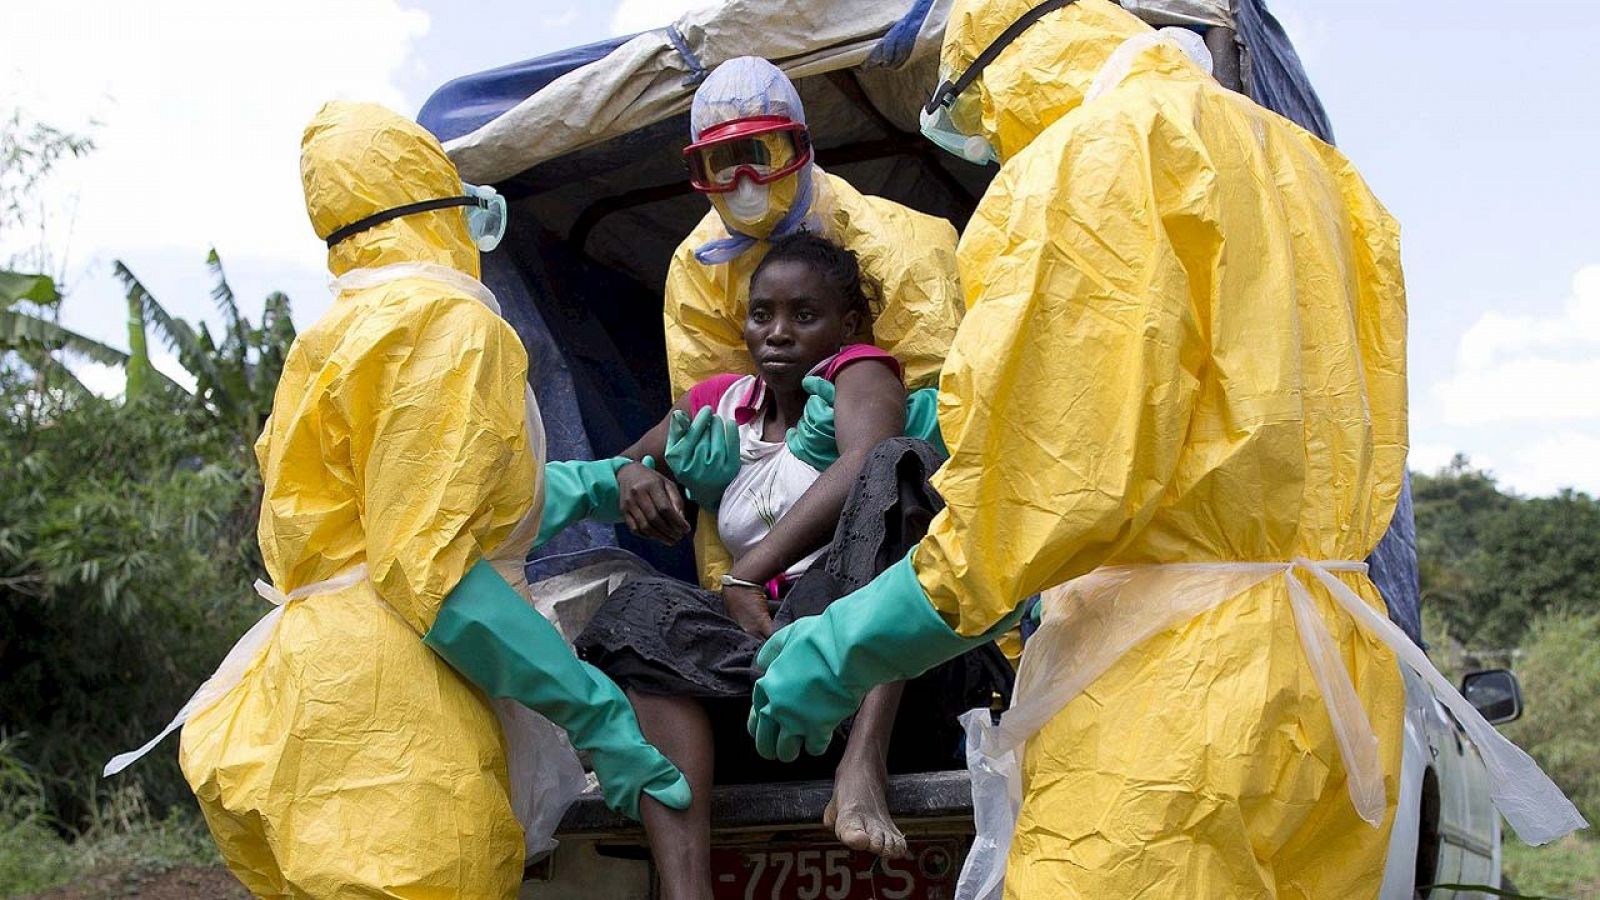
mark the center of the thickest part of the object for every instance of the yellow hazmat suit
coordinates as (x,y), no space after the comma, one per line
(351,761)
(908,255)
(1185,342)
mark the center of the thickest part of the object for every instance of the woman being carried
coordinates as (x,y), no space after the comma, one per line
(800,539)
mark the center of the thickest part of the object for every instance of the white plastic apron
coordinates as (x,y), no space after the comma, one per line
(1091,622)
(245,650)
(544,772)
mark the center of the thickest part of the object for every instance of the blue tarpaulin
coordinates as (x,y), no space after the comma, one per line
(466,104)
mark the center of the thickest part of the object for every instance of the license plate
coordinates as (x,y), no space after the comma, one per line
(813,871)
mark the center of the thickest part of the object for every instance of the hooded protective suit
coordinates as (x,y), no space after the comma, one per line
(350,760)
(1185,342)
(908,255)
(1178,396)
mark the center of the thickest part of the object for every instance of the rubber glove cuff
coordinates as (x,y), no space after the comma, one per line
(819,668)
(489,633)
(579,489)
(922,418)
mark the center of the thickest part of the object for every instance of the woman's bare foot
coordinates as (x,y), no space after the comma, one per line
(859,812)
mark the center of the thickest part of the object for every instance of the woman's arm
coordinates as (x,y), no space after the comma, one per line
(871,408)
(651,504)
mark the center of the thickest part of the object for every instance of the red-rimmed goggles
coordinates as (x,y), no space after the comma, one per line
(760,148)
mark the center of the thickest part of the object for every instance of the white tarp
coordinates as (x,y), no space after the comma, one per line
(648,79)
(1182,12)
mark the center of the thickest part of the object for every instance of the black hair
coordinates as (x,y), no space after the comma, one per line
(837,265)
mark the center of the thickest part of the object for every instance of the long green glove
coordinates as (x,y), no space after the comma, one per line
(500,643)
(814,442)
(703,454)
(819,668)
(578,489)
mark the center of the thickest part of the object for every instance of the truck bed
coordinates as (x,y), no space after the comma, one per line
(603,854)
(795,805)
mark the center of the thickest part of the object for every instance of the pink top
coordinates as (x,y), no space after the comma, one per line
(709,392)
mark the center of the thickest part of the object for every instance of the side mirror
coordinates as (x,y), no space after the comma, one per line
(1495,693)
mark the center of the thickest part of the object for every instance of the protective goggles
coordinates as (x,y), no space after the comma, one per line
(761,149)
(937,125)
(486,216)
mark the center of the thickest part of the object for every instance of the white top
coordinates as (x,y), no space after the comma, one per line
(770,482)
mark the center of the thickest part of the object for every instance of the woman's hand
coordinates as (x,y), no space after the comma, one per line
(748,607)
(650,504)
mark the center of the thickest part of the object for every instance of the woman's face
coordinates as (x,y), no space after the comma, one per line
(795,321)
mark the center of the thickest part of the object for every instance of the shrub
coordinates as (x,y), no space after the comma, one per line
(1560,674)
(126,553)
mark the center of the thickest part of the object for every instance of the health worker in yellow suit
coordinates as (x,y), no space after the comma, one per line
(751,155)
(1179,397)
(1185,344)
(355,752)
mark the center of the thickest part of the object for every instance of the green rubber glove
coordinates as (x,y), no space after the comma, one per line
(819,668)
(922,418)
(578,489)
(703,454)
(500,643)
(814,442)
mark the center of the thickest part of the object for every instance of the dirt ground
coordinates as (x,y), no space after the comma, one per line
(180,883)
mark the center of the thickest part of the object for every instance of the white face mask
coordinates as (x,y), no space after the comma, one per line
(747,202)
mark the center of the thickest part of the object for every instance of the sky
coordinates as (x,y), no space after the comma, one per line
(1477,129)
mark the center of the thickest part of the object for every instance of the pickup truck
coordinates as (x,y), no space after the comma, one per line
(586,144)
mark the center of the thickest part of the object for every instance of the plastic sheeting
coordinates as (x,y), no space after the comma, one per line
(1199,13)
(1393,567)
(652,76)
(1273,75)
(465,104)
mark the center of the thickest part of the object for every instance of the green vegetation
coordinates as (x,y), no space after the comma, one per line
(126,555)
(1493,562)
(1515,581)
(34,853)
(1569,868)
(127,549)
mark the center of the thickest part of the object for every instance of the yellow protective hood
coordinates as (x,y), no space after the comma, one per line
(1041,76)
(357,159)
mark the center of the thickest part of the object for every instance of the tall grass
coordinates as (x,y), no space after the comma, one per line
(37,854)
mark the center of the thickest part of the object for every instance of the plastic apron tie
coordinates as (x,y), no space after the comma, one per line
(233,667)
(1092,621)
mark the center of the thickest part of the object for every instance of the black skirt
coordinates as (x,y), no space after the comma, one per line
(663,636)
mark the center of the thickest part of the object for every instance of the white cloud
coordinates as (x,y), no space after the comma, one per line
(1429,458)
(1530,368)
(633,16)
(1564,460)
(200,108)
